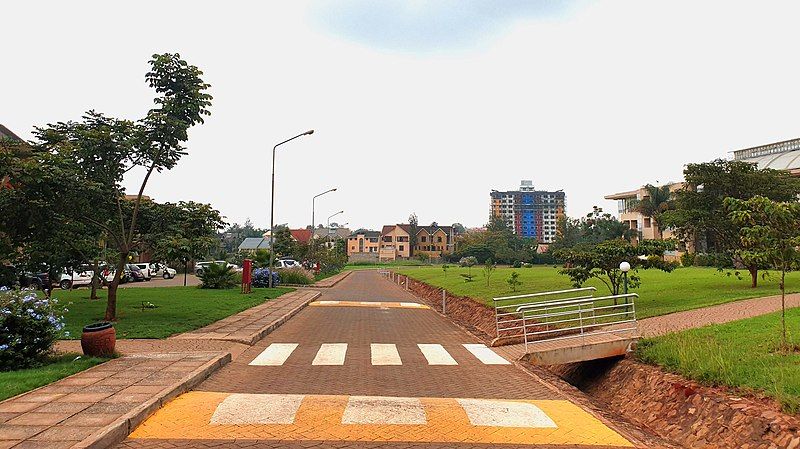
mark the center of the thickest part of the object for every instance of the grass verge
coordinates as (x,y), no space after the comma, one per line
(744,354)
(660,293)
(58,367)
(177,309)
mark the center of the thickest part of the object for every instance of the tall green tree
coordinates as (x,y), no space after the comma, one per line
(770,234)
(413,223)
(597,226)
(100,150)
(658,199)
(699,215)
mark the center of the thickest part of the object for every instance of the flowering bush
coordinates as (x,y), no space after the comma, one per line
(261,278)
(29,326)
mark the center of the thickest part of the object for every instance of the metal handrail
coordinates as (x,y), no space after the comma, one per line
(560,318)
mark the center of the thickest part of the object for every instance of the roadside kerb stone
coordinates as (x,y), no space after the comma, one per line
(255,323)
(99,407)
(333,280)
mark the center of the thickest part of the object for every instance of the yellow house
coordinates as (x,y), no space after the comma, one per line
(395,242)
(646,227)
(363,245)
(435,241)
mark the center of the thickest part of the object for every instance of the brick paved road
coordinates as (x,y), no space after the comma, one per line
(362,374)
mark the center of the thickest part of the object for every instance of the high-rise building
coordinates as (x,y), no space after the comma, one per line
(529,212)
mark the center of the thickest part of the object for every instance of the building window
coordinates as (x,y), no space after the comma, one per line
(439,239)
(401,247)
(423,239)
(647,222)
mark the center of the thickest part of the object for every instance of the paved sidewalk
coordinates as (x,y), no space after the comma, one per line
(723,313)
(254,323)
(100,406)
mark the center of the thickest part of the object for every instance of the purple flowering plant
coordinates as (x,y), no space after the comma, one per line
(29,326)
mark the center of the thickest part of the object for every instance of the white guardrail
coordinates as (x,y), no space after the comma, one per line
(563,314)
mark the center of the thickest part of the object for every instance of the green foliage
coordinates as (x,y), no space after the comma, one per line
(285,245)
(218,276)
(687,259)
(468,261)
(597,226)
(513,281)
(770,234)
(656,202)
(295,276)
(498,243)
(445,267)
(413,223)
(601,261)
(423,257)
(699,213)
(30,326)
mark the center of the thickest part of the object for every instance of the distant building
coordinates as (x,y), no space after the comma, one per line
(529,212)
(395,242)
(778,156)
(435,241)
(253,244)
(301,235)
(363,246)
(646,228)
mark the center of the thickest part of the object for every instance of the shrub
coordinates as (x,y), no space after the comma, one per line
(261,278)
(296,276)
(514,281)
(517,264)
(468,261)
(218,276)
(687,259)
(28,328)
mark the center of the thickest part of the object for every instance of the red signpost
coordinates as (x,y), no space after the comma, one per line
(247,275)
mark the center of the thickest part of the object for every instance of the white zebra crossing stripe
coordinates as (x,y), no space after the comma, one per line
(331,354)
(383,410)
(275,354)
(436,354)
(384,354)
(257,409)
(493,413)
(486,355)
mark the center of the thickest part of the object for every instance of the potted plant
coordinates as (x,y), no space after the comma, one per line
(99,339)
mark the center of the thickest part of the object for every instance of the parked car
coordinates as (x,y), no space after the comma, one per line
(76,277)
(199,266)
(39,281)
(136,274)
(161,270)
(145,269)
(287,263)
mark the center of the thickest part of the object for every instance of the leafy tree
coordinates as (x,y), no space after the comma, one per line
(458,228)
(173,231)
(285,245)
(601,261)
(654,204)
(699,215)
(597,226)
(98,151)
(468,262)
(770,234)
(514,281)
(488,269)
(413,223)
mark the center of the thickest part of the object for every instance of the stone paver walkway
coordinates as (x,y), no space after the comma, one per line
(723,313)
(253,324)
(100,406)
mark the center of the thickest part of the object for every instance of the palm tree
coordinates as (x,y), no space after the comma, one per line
(657,200)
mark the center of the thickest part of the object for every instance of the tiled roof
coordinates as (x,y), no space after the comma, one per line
(301,235)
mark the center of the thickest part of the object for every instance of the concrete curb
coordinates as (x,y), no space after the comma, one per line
(117,431)
(266,330)
(334,278)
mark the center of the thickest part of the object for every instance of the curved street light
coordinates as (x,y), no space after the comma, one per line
(312,205)
(272,206)
(329,225)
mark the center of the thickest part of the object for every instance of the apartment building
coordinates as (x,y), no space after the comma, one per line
(395,242)
(529,212)
(363,246)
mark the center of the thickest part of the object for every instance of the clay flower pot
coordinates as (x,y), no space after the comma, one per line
(98,339)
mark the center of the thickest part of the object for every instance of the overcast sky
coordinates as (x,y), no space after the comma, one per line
(418,106)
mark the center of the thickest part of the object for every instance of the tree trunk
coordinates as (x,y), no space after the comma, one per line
(111,306)
(95,279)
(783,307)
(753,276)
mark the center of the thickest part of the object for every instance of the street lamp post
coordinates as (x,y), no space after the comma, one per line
(329,225)
(272,206)
(625,267)
(312,207)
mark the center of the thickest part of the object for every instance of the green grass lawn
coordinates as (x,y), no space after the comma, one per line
(395,264)
(13,383)
(179,309)
(742,354)
(660,293)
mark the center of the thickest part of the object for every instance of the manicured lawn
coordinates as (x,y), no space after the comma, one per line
(660,293)
(13,383)
(739,354)
(179,309)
